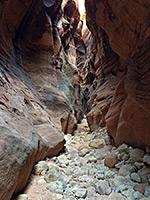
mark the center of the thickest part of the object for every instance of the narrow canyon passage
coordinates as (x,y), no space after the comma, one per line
(59,62)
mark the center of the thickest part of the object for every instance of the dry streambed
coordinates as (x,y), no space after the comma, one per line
(92,169)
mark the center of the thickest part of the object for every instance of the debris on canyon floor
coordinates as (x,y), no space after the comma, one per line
(91,168)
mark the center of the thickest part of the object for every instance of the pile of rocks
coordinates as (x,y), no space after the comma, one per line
(92,169)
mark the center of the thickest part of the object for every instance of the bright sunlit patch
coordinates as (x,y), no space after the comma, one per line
(82,8)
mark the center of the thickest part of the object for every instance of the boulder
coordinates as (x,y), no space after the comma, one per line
(111,160)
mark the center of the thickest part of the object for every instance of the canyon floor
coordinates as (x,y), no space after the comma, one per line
(91,168)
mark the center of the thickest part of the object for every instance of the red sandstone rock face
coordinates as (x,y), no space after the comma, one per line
(127,26)
(27,133)
(37,80)
(100,75)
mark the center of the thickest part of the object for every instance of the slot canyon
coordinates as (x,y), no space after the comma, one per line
(74,99)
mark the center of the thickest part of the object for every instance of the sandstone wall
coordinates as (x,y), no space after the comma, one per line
(119,94)
(37,86)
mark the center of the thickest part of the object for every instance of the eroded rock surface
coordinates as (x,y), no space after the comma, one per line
(41,96)
(119,91)
(38,86)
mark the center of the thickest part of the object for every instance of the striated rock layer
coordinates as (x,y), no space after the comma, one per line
(120,92)
(38,85)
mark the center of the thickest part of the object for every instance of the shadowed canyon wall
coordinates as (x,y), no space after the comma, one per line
(39,85)
(120,69)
